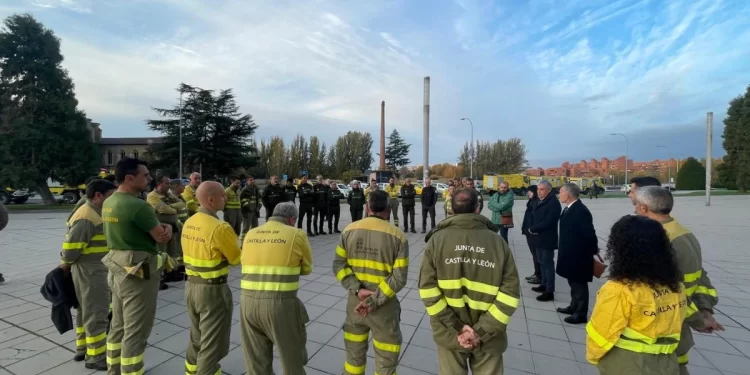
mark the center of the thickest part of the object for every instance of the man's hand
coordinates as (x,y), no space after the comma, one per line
(362,309)
(167,234)
(468,339)
(364,293)
(65,267)
(710,323)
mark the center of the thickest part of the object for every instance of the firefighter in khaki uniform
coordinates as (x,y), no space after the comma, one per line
(372,263)
(167,209)
(83,250)
(373,187)
(392,189)
(469,284)
(189,194)
(175,192)
(232,212)
(250,200)
(210,246)
(656,202)
(134,262)
(274,256)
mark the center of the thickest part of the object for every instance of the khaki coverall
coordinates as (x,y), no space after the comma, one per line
(191,201)
(393,191)
(232,212)
(250,202)
(210,246)
(372,255)
(274,255)
(167,208)
(700,293)
(469,277)
(84,248)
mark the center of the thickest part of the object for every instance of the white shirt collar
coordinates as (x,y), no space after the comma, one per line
(571,203)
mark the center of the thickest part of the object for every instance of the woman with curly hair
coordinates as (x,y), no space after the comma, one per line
(637,319)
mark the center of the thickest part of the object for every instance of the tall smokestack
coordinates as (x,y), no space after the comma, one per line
(426,131)
(382,136)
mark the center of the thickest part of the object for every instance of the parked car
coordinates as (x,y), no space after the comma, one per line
(441,187)
(17,196)
(344,189)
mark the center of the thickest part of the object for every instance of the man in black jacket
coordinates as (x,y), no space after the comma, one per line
(528,218)
(3,223)
(544,229)
(408,201)
(334,207)
(320,208)
(273,194)
(575,258)
(356,200)
(429,199)
(290,192)
(306,202)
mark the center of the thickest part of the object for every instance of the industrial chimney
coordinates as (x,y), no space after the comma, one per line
(382,136)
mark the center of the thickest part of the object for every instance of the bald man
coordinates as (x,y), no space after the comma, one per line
(189,194)
(209,247)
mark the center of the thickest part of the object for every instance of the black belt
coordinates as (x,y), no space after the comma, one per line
(214,281)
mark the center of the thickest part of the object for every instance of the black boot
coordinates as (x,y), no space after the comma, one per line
(336,230)
(79,357)
(98,366)
(310,234)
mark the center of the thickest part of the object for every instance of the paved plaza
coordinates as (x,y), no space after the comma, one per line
(539,341)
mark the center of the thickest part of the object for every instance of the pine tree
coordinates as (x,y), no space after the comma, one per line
(216,137)
(734,172)
(42,132)
(396,151)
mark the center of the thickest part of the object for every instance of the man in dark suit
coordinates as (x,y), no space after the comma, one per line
(544,229)
(575,259)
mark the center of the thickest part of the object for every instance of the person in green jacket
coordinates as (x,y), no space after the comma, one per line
(469,285)
(501,205)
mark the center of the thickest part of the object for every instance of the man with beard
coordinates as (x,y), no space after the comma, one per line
(273,194)
(356,200)
(290,192)
(250,201)
(189,193)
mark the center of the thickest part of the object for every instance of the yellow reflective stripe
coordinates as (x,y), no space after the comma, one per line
(386,289)
(114,346)
(499,315)
(468,284)
(80,330)
(633,334)
(99,237)
(341,252)
(375,279)
(465,300)
(269,286)
(95,250)
(638,347)
(507,299)
(371,264)
(271,270)
(96,351)
(694,276)
(204,263)
(354,369)
(401,262)
(437,307)
(690,309)
(73,245)
(683,359)
(355,337)
(113,360)
(80,342)
(393,348)
(190,367)
(689,291)
(97,338)
(705,290)
(430,293)
(139,372)
(208,274)
(130,361)
(344,272)
(598,339)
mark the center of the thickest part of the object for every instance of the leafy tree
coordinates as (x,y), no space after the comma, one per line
(216,137)
(397,151)
(692,175)
(315,166)
(353,152)
(503,157)
(298,156)
(734,172)
(42,132)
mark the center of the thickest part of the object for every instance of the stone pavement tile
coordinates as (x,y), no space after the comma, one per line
(41,362)
(155,357)
(38,324)
(18,309)
(70,367)
(727,362)
(324,300)
(519,340)
(420,358)
(10,333)
(321,333)
(169,311)
(551,347)
(162,331)
(328,359)
(575,334)
(554,331)
(546,365)
(23,347)
(315,312)
(175,344)
(169,367)
(714,344)
(518,359)
(423,338)
(314,286)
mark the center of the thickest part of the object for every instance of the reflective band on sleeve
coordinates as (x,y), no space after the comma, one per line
(598,339)
(430,293)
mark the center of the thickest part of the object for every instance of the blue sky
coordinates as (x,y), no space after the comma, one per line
(561,75)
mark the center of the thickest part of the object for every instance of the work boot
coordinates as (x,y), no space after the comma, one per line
(163,286)
(337,230)
(424,230)
(534,281)
(79,357)
(539,289)
(534,276)
(2,279)
(98,366)
(413,230)
(310,234)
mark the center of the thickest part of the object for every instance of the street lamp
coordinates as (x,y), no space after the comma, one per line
(180,173)
(612,178)
(626,154)
(669,166)
(471,150)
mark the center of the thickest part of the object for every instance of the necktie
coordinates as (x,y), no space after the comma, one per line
(564,210)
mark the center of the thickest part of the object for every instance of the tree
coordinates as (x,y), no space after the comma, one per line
(216,137)
(353,152)
(734,172)
(692,175)
(396,151)
(298,156)
(42,132)
(501,157)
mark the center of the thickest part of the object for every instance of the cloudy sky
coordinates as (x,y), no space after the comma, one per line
(561,75)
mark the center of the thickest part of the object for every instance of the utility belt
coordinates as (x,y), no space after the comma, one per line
(134,263)
(215,281)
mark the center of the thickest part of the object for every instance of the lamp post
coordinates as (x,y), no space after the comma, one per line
(669,167)
(180,173)
(471,149)
(612,179)
(626,154)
